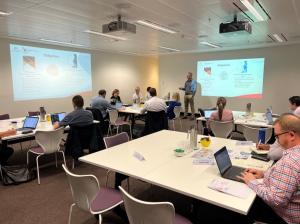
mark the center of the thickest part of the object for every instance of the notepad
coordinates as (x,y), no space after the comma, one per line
(229,187)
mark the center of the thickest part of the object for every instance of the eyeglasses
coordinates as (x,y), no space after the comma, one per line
(277,136)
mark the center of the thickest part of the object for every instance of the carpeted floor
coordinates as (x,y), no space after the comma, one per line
(49,202)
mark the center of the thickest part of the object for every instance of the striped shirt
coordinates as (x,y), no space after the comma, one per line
(281,186)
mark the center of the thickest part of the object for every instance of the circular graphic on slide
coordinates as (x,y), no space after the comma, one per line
(52,70)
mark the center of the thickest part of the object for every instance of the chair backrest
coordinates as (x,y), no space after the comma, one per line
(155,121)
(33,113)
(177,111)
(4,116)
(113,116)
(221,129)
(96,114)
(251,133)
(49,140)
(116,139)
(139,211)
(84,188)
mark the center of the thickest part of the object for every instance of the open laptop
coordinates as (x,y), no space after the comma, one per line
(207,113)
(57,117)
(119,105)
(29,124)
(225,166)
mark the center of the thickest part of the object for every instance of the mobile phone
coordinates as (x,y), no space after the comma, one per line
(259,157)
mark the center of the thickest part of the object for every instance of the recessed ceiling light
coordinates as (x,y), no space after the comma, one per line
(209,44)
(251,8)
(3,13)
(61,42)
(277,37)
(169,49)
(156,26)
(105,35)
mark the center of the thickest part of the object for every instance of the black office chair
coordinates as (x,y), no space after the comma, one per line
(99,117)
(84,137)
(155,121)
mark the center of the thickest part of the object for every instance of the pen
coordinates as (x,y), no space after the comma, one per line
(258,143)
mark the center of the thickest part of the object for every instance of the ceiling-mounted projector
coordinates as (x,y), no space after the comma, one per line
(118,26)
(235,26)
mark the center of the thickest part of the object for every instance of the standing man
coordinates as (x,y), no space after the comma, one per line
(190,88)
(279,192)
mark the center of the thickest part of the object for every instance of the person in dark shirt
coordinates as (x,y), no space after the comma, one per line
(6,152)
(78,117)
(175,102)
(115,98)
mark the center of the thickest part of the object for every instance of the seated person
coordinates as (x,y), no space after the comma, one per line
(275,150)
(148,96)
(279,192)
(221,114)
(174,102)
(102,104)
(137,97)
(78,117)
(6,152)
(295,105)
(154,104)
(115,98)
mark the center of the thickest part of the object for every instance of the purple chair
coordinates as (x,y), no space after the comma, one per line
(4,116)
(113,141)
(116,139)
(139,211)
(33,113)
(88,196)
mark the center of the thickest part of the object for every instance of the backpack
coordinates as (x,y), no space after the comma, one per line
(16,174)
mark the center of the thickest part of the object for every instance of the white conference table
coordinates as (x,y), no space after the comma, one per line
(161,167)
(41,126)
(255,120)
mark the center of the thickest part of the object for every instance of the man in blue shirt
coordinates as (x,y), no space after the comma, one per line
(190,88)
(102,104)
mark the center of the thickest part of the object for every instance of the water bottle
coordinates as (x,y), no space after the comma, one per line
(262,135)
(42,114)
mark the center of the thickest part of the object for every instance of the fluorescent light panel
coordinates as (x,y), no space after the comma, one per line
(156,26)
(209,44)
(3,13)
(168,48)
(251,8)
(105,35)
(277,37)
(61,42)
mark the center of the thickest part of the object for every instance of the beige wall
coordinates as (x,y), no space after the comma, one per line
(281,80)
(109,71)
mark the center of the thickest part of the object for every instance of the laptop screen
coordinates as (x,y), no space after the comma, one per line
(31,122)
(207,113)
(223,160)
(119,105)
(57,117)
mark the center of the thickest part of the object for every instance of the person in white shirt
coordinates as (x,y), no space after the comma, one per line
(275,150)
(154,104)
(148,96)
(295,105)
(137,96)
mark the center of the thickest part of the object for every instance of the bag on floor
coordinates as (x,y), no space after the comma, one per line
(16,174)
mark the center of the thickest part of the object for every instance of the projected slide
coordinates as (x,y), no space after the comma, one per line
(40,73)
(231,78)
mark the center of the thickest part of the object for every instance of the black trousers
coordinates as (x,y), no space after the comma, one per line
(262,212)
(5,153)
(207,213)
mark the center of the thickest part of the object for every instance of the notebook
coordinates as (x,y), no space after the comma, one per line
(57,117)
(29,124)
(225,166)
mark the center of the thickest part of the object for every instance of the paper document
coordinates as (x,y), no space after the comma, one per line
(229,187)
